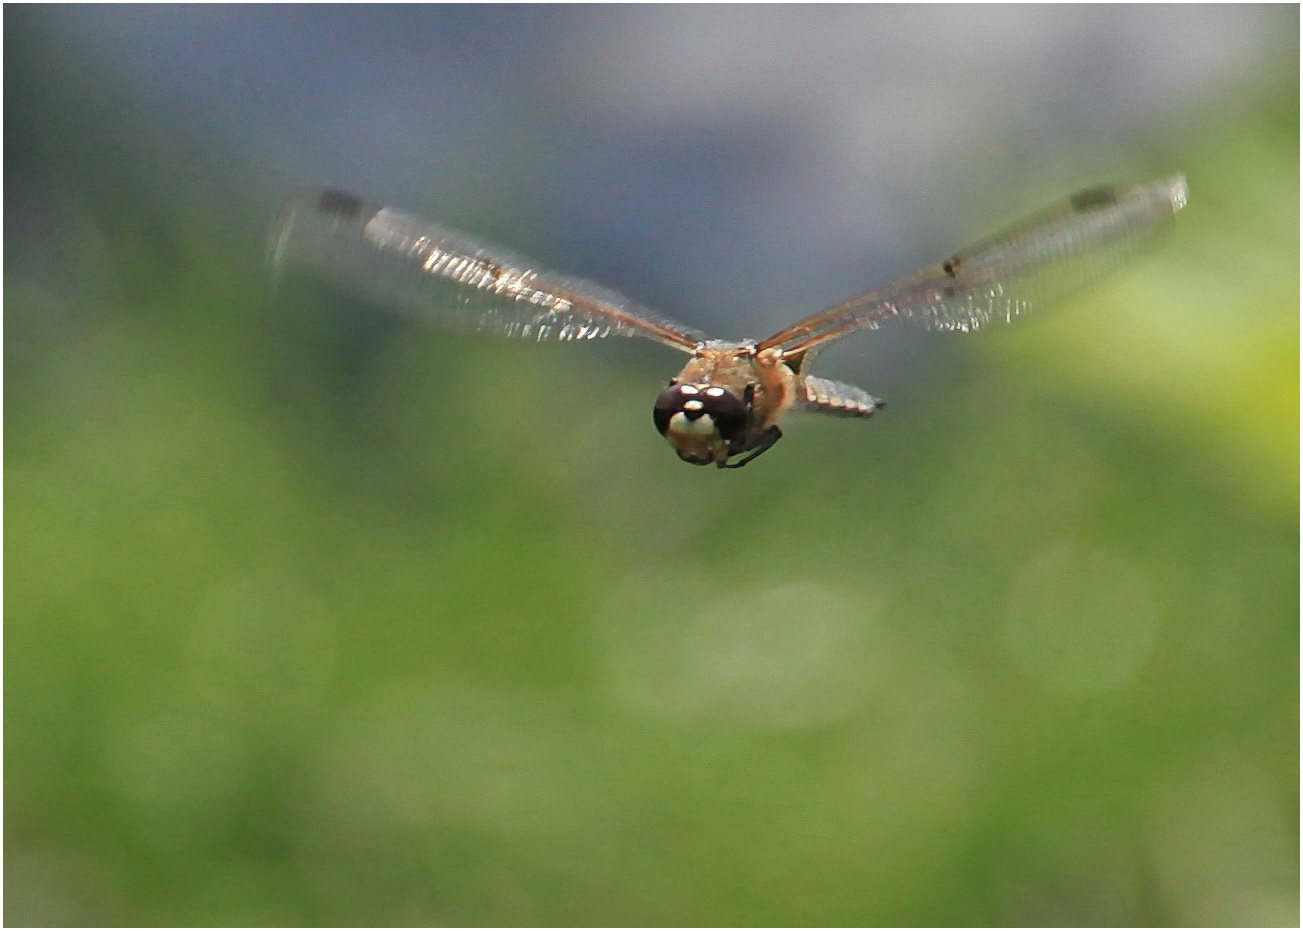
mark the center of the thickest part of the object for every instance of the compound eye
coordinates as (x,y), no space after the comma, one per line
(728,412)
(670,402)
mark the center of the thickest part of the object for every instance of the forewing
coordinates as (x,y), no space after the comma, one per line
(453,280)
(1047,257)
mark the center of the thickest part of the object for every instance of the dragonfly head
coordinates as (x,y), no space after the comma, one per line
(704,423)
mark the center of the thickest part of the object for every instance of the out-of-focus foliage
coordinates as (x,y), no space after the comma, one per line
(314,616)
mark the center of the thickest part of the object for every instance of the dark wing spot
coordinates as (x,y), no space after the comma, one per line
(338,203)
(1094,198)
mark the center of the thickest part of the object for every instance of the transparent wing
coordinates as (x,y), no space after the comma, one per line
(1047,257)
(417,265)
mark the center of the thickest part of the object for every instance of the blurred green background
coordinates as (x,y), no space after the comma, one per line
(318,616)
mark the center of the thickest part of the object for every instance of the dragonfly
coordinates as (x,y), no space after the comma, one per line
(726,405)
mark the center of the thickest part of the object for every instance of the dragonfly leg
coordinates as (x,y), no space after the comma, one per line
(765,440)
